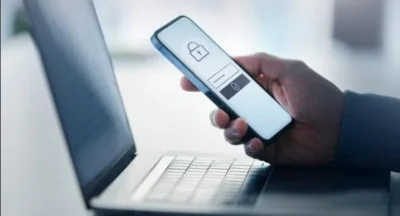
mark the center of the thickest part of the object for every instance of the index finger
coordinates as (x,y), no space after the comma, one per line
(187,85)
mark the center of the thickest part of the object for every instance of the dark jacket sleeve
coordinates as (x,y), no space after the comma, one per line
(370,132)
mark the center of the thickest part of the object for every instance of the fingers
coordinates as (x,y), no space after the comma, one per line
(262,64)
(219,118)
(187,85)
(253,147)
(235,131)
(256,149)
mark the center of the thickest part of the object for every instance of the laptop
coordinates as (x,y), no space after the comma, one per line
(115,179)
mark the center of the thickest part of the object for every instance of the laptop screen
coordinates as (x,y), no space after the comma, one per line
(83,84)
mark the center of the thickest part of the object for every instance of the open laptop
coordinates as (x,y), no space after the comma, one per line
(115,179)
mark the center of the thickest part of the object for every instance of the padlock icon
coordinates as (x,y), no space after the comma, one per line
(197,51)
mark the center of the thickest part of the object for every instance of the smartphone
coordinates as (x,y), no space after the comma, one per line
(220,78)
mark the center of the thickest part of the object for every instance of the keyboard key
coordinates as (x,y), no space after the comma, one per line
(203,180)
(246,162)
(201,163)
(212,170)
(184,158)
(210,183)
(214,176)
(240,167)
(223,165)
(212,180)
(182,162)
(222,172)
(194,174)
(227,160)
(219,167)
(216,173)
(235,176)
(232,183)
(198,168)
(178,166)
(174,170)
(238,172)
(190,177)
(188,181)
(196,171)
(203,159)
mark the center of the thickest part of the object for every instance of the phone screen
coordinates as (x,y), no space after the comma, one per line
(197,51)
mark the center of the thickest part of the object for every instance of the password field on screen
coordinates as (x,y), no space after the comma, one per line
(223,75)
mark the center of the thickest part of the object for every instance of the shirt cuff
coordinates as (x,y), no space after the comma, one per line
(368,136)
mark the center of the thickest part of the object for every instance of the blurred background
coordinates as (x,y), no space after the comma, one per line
(352,43)
(355,44)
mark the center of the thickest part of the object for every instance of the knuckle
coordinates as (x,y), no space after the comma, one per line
(261,54)
(297,64)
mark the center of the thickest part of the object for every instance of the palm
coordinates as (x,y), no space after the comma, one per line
(312,138)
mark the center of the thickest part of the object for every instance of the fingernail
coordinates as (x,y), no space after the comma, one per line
(212,118)
(254,147)
(233,134)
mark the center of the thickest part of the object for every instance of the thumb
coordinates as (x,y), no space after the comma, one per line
(268,70)
(262,64)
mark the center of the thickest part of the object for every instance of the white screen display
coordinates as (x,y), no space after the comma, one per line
(224,77)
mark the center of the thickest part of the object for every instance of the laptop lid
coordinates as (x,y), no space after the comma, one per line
(84,89)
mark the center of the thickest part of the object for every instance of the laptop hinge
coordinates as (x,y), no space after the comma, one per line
(98,185)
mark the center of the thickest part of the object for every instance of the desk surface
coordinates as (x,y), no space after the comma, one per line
(37,176)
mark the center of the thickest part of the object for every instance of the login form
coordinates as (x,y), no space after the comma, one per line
(195,49)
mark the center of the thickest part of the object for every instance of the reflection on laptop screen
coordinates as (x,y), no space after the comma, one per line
(82,81)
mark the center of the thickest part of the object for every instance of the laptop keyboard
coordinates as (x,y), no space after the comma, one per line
(197,180)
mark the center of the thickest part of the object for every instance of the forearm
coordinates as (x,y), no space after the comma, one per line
(370,132)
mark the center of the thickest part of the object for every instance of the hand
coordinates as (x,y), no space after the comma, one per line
(315,104)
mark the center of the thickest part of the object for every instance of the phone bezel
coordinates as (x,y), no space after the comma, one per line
(209,92)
